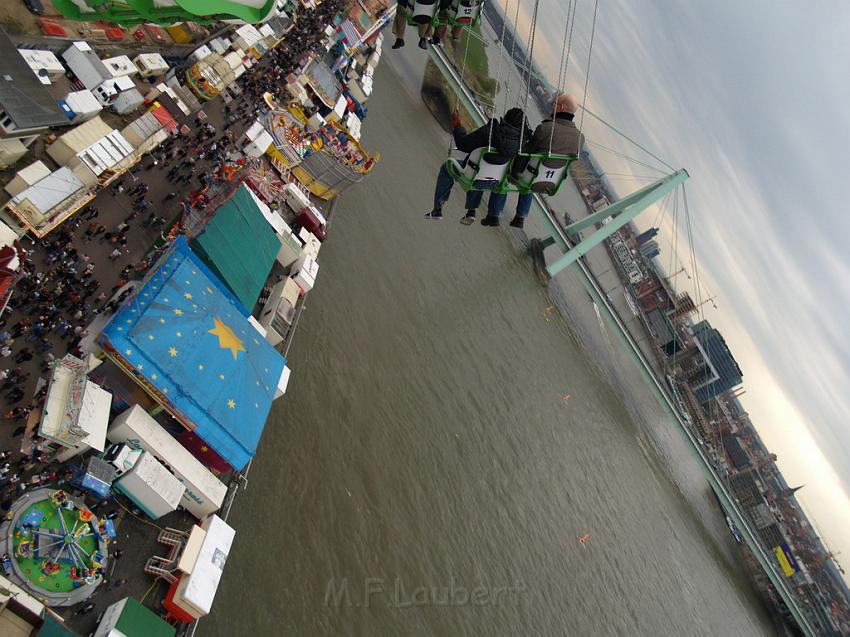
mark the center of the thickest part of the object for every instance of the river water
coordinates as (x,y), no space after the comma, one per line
(424,474)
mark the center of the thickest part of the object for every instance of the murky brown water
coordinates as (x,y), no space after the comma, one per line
(423,475)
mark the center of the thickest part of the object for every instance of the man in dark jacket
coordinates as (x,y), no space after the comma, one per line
(559,136)
(503,137)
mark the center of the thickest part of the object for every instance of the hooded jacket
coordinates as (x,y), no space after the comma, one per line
(504,141)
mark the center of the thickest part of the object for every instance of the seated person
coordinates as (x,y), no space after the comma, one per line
(565,140)
(465,13)
(504,140)
(426,29)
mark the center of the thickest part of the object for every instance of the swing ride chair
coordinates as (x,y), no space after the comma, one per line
(460,13)
(544,173)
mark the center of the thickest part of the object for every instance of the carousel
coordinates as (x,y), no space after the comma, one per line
(53,546)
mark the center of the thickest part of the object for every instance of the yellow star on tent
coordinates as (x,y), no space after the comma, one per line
(188,295)
(172,351)
(178,312)
(231,403)
(226,338)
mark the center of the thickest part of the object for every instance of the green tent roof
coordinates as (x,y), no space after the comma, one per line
(240,246)
(138,621)
(53,628)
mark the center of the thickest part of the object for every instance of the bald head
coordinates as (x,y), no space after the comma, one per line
(566,103)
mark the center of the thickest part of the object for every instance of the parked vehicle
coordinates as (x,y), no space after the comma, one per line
(204,492)
(34,6)
(151,487)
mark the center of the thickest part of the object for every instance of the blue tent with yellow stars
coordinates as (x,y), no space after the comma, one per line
(183,336)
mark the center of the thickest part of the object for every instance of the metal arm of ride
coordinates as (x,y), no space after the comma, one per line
(621,212)
(560,236)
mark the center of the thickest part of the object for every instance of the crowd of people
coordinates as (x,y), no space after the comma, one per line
(82,269)
(505,138)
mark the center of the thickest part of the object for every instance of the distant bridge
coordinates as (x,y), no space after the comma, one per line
(573,253)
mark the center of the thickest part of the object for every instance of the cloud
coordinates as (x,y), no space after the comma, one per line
(756,110)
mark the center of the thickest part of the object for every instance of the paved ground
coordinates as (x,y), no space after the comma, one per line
(125,576)
(136,539)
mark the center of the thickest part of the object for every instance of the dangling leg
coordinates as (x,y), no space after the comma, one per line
(473,200)
(425,31)
(439,33)
(495,206)
(442,192)
(523,207)
(399,25)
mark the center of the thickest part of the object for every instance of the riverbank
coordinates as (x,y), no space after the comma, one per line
(428,442)
(217,133)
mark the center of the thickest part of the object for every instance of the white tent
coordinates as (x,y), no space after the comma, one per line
(27,177)
(76,410)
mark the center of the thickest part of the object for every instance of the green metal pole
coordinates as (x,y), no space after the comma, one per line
(635,203)
(623,211)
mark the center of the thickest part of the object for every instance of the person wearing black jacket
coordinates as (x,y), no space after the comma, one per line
(503,137)
(560,136)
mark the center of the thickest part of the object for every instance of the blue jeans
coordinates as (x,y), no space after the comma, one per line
(523,205)
(473,200)
(443,190)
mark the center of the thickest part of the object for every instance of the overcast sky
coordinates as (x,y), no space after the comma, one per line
(752,98)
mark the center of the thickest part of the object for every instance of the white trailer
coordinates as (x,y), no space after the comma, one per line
(198,584)
(151,487)
(204,492)
(86,65)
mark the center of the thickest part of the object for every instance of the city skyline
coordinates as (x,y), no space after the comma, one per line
(715,89)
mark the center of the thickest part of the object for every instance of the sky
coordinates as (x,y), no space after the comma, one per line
(751,98)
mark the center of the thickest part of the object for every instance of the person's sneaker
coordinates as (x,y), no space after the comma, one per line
(469,219)
(435,40)
(517,222)
(434,214)
(490,221)
(423,43)
(398,43)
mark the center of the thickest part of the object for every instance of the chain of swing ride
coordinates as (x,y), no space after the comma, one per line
(563,63)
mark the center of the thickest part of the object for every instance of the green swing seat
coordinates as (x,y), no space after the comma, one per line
(422,12)
(480,171)
(461,13)
(466,12)
(544,173)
